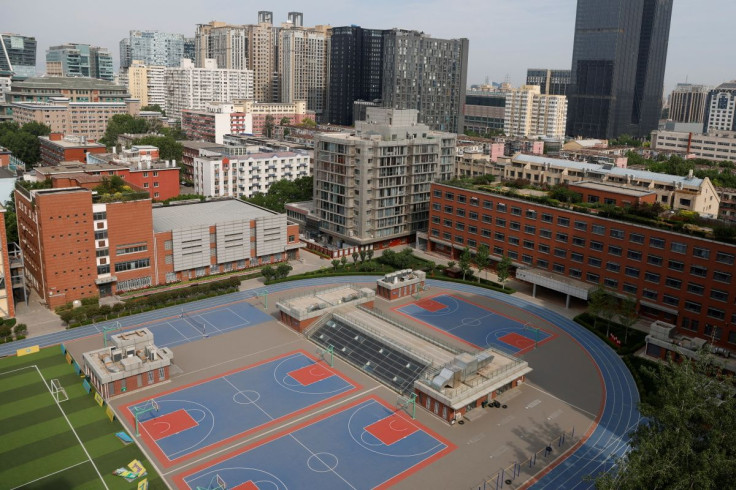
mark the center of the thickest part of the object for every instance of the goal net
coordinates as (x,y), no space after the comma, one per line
(58,391)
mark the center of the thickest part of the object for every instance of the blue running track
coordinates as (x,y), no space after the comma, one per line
(607,442)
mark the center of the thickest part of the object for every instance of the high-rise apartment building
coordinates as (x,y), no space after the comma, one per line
(687,103)
(484,111)
(551,82)
(188,87)
(225,43)
(18,54)
(146,83)
(152,48)
(356,70)
(720,108)
(79,60)
(303,65)
(189,48)
(426,74)
(618,63)
(527,113)
(372,187)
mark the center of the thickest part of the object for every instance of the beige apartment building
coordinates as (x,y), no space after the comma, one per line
(529,113)
(715,145)
(146,83)
(303,65)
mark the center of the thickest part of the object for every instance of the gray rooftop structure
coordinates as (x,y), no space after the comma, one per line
(173,217)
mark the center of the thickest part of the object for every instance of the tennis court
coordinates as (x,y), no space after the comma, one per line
(367,444)
(474,324)
(212,412)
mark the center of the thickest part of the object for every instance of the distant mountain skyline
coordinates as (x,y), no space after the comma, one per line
(505,37)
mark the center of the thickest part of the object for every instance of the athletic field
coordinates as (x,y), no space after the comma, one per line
(46,444)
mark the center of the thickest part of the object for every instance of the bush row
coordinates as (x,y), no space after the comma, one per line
(636,338)
(87,314)
(484,283)
(9,331)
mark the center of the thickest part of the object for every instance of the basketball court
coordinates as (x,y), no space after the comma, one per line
(181,423)
(366,444)
(474,324)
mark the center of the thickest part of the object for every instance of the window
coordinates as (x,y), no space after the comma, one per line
(449,209)
(616,233)
(461,199)
(563,221)
(461,212)
(689,324)
(597,246)
(531,230)
(676,266)
(449,196)
(527,259)
(678,247)
(436,206)
(634,237)
(132,265)
(702,253)
(150,377)
(611,283)
(513,240)
(724,258)
(528,244)
(561,237)
(497,250)
(594,278)
(473,230)
(655,242)
(598,229)
(501,207)
(99,216)
(531,214)
(630,288)
(654,260)
(513,255)
(436,220)
(633,254)
(515,211)
(716,313)
(560,252)
(499,236)
(581,226)
(576,257)
(103,269)
(100,235)
(614,250)
(487,204)
(613,266)
(722,276)
(650,294)
(559,268)
(547,218)
(696,270)
(515,225)
(459,239)
(460,226)
(446,236)
(695,288)
(632,272)
(501,222)
(437,193)
(543,248)
(594,261)
(473,215)
(670,300)
(577,241)
(576,273)
(672,282)
(542,263)
(485,232)
(472,243)
(474,201)
(651,277)
(131,249)
(719,295)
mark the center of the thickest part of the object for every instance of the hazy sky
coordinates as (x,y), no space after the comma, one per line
(506,36)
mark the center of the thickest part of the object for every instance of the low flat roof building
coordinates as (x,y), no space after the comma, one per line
(302,311)
(56,148)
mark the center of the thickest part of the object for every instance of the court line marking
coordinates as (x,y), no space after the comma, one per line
(16,370)
(238,390)
(332,470)
(50,474)
(273,429)
(84,448)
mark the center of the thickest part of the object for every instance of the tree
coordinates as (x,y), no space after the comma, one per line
(168,147)
(356,256)
(154,108)
(482,259)
(121,124)
(335,264)
(610,308)
(268,273)
(597,301)
(308,123)
(11,220)
(285,121)
(268,126)
(20,331)
(283,191)
(36,129)
(283,269)
(343,261)
(362,254)
(369,253)
(503,270)
(627,314)
(5,333)
(689,438)
(465,261)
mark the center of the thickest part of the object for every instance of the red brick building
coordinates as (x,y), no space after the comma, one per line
(7,305)
(56,148)
(675,277)
(4,157)
(599,192)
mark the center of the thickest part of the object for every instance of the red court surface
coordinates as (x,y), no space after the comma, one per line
(169,424)
(310,374)
(430,305)
(391,429)
(249,485)
(517,340)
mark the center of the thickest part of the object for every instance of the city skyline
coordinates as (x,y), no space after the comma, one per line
(492,56)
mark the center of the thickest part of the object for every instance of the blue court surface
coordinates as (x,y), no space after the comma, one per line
(473,324)
(198,324)
(195,418)
(365,445)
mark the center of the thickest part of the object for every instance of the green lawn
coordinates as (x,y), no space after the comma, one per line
(38,448)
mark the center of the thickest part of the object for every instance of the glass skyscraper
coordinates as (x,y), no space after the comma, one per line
(618,63)
(18,55)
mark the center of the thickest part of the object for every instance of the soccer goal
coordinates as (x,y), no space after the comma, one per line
(408,404)
(217,483)
(328,354)
(58,391)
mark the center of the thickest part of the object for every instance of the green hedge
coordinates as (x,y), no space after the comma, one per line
(484,283)
(87,314)
(313,275)
(636,340)
(645,382)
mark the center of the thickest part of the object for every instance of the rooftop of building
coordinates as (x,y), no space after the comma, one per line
(644,175)
(731,85)
(198,145)
(617,189)
(68,83)
(169,218)
(260,155)
(71,141)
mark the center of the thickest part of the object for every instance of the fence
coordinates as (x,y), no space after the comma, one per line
(521,471)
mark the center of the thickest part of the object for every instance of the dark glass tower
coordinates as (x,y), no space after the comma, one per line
(356,70)
(618,63)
